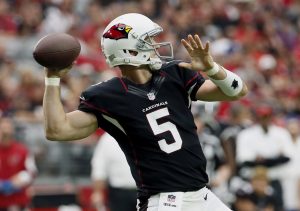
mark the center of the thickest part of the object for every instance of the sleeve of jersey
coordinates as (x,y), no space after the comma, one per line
(88,104)
(192,81)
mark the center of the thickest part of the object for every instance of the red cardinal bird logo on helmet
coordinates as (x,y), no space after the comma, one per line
(118,31)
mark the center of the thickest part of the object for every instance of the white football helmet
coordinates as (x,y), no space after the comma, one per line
(128,40)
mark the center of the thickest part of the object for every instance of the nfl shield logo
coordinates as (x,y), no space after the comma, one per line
(171,198)
(151,96)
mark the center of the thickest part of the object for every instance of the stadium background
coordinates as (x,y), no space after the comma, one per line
(258,39)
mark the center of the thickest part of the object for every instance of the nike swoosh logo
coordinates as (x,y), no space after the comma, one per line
(205,197)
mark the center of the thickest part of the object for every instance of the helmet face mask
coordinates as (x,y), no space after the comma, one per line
(149,43)
(129,40)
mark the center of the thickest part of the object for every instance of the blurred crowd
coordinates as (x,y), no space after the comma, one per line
(258,39)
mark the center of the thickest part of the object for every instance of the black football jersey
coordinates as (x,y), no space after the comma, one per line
(154,127)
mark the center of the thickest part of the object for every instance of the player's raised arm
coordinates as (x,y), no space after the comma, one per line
(223,84)
(57,52)
(61,126)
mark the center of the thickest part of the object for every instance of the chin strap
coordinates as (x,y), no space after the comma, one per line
(155,64)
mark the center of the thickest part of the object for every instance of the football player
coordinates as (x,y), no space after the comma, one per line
(147,110)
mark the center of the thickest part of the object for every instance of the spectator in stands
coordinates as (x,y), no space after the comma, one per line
(110,171)
(257,195)
(217,168)
(262,194)
(17,169)
(240,118)
(243,202)
(291,179)
(264,144)
(59,17)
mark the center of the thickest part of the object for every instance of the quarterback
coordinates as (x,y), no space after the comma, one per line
(147,110)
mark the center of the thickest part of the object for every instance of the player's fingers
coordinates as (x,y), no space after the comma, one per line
(198,41)
(187,46)
(70,67)
(192,41)
(206,49)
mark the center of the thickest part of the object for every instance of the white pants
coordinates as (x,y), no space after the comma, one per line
(201,200)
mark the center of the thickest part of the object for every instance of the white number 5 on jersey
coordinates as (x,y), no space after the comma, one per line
(164,127)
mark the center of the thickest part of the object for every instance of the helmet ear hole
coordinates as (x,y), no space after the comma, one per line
(133,53)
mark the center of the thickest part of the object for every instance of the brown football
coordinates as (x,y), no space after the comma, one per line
(56,51)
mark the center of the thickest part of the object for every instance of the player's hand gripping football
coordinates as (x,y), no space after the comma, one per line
(200,56)
(57,73)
